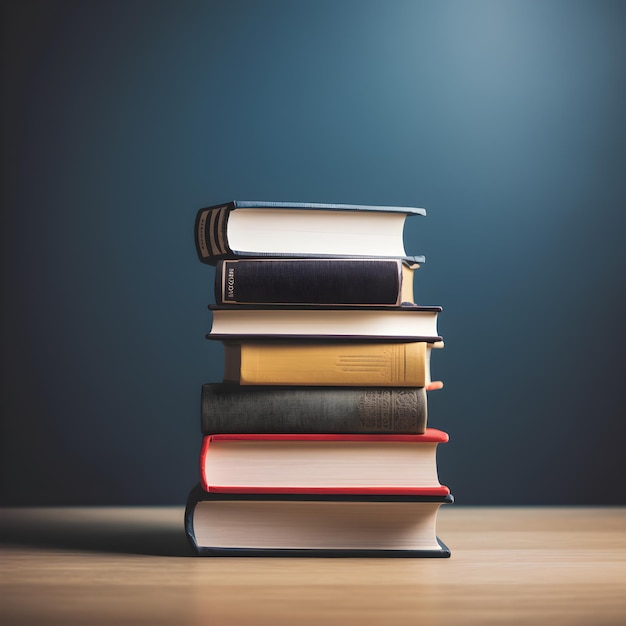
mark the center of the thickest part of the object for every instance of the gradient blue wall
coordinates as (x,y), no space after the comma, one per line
(504,119)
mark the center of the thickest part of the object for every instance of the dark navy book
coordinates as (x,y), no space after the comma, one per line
(241,229)
(313,525)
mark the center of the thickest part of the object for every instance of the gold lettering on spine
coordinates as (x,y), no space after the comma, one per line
(230,283)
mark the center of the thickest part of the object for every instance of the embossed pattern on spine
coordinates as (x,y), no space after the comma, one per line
(393,411)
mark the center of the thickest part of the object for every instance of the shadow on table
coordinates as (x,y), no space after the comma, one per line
(89,532)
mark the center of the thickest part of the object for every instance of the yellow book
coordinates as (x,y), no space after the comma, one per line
(328,364)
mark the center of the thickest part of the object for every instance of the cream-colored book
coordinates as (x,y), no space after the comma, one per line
(411,322)
(329,364)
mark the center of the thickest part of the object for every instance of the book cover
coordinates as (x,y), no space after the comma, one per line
(233,408)
(323,363)
(248,228)
(322,463)
(300,525)
(409,321)
(321,282)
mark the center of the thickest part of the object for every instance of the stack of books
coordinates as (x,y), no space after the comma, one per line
(316,440)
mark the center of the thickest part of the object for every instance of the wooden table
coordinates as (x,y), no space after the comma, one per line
(93,566)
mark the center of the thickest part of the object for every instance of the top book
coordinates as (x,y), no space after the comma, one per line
(299,229)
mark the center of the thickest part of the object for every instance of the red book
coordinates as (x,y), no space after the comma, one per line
(322,464)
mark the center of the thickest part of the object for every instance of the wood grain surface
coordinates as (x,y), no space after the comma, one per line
(132,566)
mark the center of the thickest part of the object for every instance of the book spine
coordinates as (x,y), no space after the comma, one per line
(332,364)
(211,233)
(233,409)
(328,282)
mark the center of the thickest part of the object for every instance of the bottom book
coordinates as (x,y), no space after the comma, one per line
(221,524)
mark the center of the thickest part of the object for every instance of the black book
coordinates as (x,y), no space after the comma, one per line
(313,525)
(324,282)
(232,408)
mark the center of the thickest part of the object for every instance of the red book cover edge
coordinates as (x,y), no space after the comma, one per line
(371,491)
(431,435)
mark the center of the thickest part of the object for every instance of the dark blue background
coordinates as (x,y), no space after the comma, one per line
(504,119)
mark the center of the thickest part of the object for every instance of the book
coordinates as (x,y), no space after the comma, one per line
(328,363)
(406,322)
(232,408)
(319,525)
(326,282)
(357,464)
(253,229)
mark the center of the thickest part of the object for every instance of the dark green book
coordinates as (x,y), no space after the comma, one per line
(230,409)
